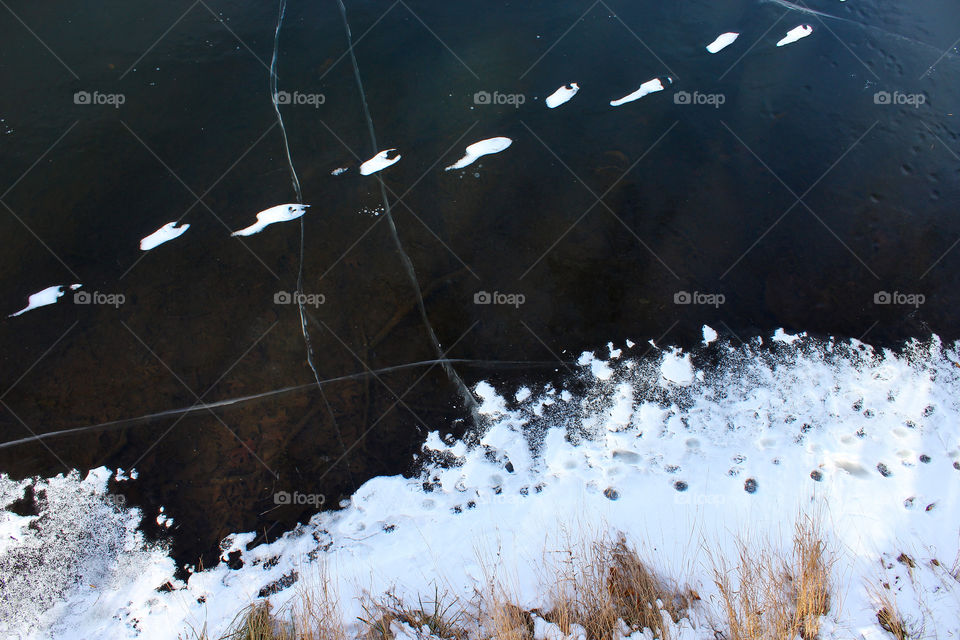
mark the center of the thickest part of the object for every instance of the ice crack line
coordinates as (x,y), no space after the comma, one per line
(124,423)
(274,96)
(468,399)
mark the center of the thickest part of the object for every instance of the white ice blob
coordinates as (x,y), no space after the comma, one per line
(723,41)
(166,233)
(337,172)
(795,34)
(561,95)
(482,148)
(648,87)
(677,368)
(42,298)
(787,338)
(279,213)
(378,162)
(709,335)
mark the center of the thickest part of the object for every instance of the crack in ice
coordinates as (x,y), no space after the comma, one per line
(469,401)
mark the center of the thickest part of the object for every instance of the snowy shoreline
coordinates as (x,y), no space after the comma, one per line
(667,452)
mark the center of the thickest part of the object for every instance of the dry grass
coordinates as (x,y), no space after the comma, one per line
(608,582)
(314,614)
(888,614)
(500,619)
(600,590)
(890,620)
(769,597)
(443,617)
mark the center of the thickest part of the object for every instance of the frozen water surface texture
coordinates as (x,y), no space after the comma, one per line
(663,274)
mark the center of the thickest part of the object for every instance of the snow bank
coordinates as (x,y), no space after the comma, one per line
(672,452)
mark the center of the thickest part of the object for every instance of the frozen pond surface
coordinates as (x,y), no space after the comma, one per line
(809,188)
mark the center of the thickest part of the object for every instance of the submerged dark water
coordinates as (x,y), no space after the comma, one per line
(598,217)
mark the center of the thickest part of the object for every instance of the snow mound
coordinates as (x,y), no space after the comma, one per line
(664,447)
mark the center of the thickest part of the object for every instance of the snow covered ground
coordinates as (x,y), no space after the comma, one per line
(677,454)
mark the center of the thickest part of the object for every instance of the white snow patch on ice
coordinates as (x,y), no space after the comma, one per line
(648,87)
(709,335)
(279,213)
(600,369)
(562,95)
(166,233)
(378,162)
(42,298)
(491,404)
(478,149)
(723,41)
(795,34)
(676,367)
(614,353)
(786,338)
